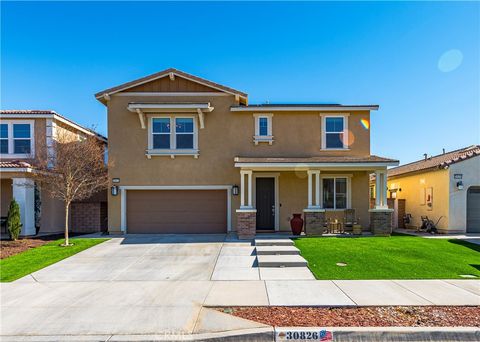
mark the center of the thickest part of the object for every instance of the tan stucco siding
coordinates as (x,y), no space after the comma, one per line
(53,214)
(412,190)
(6,195)
(226,135)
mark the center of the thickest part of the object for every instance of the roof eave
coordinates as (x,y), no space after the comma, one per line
(301,108)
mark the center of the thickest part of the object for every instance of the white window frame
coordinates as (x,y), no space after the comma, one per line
(349,191)
(324,118)
(172,151)
(257,138)
(11,139)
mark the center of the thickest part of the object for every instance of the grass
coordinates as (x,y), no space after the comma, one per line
(32,260)
(395,257)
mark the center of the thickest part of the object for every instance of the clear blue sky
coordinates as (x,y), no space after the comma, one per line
(419,61)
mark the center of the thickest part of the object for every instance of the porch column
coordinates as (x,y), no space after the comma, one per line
(381,189)
(311,189)
(243,188)
(24,194)
(381,216)
(246,215)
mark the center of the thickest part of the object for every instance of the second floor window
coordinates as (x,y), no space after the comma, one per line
(262,126)
(173,133)
(334,132)
(4,138)
(16,138)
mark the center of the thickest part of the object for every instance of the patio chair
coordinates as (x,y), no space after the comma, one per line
(350,218)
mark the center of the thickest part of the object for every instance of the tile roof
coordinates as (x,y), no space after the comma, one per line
(322,159)
(164,73)
(28,112)
(14,164)
(440,161)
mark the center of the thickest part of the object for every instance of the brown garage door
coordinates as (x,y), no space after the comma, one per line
(176,211)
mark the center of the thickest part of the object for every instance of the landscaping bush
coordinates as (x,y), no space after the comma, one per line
(14,224)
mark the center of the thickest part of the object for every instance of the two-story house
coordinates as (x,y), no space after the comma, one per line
(191,156)
(23,135)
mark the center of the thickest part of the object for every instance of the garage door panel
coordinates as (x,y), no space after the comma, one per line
(176,211)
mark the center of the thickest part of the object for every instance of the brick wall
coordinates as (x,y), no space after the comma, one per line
(246,224)
(86,217)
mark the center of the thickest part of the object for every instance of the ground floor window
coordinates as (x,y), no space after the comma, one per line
(334,193)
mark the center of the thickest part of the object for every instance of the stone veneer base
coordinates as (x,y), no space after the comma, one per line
(314,221)
(381,221)
(246,223)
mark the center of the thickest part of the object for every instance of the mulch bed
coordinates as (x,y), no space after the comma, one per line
(386,316)
(9,248)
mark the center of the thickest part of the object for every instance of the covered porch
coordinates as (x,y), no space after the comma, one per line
(321,189)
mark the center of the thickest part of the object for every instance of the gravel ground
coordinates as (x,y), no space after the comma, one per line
(386,316)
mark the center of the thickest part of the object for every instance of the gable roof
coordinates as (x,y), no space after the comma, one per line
(441,161)
(167,72)
(47,114)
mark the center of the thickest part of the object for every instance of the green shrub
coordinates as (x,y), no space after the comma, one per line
(14,224)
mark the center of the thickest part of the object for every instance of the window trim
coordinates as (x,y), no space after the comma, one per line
(257,138)
(11,139)
(324,117)
(172,151)
(348,177)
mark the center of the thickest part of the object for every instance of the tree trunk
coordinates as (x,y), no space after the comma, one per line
(67,209)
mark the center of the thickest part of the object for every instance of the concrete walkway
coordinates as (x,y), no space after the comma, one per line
(152,285)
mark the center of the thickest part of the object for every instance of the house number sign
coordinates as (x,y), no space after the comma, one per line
(457,176)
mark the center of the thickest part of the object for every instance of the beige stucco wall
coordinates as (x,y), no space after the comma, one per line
(53,214)
(470,171)
(412,189)
(226,135)
(6,194)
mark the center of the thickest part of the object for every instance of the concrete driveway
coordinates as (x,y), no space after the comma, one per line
(147,285)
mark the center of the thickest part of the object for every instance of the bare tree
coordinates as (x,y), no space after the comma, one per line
(72,169)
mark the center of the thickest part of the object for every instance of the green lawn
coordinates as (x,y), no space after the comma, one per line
(20,265)
(395,257)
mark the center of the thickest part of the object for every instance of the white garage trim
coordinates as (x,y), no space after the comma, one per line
(124,188)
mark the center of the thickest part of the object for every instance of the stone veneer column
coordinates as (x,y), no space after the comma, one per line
(314,221)
(381,221)
(246,223)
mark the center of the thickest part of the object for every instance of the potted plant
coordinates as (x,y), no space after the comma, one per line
(296,223)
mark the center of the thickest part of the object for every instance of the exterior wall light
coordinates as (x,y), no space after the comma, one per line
(114,190)
(460,185)
(235,190)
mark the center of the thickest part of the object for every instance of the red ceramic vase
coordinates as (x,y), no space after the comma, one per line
(296,223)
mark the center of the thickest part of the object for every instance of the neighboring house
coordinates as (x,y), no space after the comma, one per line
(184,147)
(446,188)
(24,134)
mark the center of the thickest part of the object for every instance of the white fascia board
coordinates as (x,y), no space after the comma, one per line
(305,166)
(301,108)
(170,106)
(176,187)
(16,169)
(160,94)
(166,75)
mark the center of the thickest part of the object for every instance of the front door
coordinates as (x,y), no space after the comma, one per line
(265,203)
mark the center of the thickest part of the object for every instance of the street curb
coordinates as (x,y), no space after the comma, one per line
(393,334)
